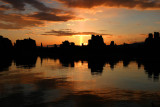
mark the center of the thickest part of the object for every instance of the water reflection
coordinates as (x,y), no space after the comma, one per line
(67,61)
(50,82)
(96,65)
(5,63)
(25,62)
(151,68)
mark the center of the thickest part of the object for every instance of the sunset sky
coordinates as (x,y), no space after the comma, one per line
(53,21)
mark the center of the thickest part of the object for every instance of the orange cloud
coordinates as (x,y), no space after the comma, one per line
(16,21)
(69,32)
(8,20)
(140,4)
(52,17)
(19,21)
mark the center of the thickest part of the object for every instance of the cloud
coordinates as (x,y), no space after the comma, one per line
(157,22)
(144,35)
(102,30)
(17,4)
(53,17)
(19,21)
(20,4)
(4,7)
(140,4)
(69,32)
(16,21)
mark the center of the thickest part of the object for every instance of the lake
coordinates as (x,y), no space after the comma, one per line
(50,82)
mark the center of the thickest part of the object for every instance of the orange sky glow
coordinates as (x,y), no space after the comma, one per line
(54,21)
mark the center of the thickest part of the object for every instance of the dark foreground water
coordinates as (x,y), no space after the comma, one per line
(58,83)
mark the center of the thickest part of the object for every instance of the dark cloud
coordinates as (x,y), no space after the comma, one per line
(69,32)
(9,20)
(15,21)
(38,5)
(20,5)
(4,7)
(17,4)
(52,17)
(19,21)
(141,4)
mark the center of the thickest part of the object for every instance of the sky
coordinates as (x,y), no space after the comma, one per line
(54,21)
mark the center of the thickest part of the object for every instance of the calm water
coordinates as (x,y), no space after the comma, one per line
(53,82)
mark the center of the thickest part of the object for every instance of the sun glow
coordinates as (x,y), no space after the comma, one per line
(81,39)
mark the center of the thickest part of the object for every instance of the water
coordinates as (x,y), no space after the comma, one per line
(55,82)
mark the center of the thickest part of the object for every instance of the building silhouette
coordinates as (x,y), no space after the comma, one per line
(156,35)
(5,43)
(149,41)
(96,42)
(153,42)
(41,45)
(112,43)
(26,44)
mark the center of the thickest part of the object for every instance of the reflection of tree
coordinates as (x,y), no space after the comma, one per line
(151,68)
(96,66)
(5,63)
(126,62)
(113,62)
(67,62)
(26,62)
